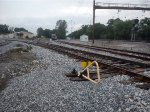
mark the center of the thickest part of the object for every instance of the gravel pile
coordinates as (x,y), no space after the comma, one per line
(46,89)
(16,61)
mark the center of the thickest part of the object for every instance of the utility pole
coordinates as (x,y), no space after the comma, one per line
(93,22)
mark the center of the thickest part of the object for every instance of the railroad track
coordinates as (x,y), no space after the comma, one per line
(145,57)
(131,68)
(111,65)
(4,43)
(3,56)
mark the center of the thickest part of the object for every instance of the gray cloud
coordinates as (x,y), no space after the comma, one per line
(32,14)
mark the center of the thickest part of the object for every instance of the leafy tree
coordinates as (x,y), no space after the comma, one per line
(122,30)
(111,28)
(89,31)
(76,34)
(61,27)
(40,32)
(4,29)
(100,31)
(118,29)
(85,29)
(20,29)
(144,31)
(47,33)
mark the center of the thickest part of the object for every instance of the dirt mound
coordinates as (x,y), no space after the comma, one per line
(17,61)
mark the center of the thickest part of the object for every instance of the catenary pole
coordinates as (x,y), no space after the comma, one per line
(93,22)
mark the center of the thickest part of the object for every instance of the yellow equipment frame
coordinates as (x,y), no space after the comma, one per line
(88,73)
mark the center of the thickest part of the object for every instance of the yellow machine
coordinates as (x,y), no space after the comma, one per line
(91,72)
(84,64)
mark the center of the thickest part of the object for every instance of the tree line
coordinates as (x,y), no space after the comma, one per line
(60,30)
(5,29)
(116,29)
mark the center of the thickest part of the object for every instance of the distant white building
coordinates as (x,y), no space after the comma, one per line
(84,38)
(68,38)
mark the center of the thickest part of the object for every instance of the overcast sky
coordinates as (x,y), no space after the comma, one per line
(32,14)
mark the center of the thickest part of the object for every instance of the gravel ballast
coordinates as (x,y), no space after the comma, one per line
(46,89)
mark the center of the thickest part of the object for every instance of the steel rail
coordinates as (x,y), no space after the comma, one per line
(84,55)
(133,54)
(4,43)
